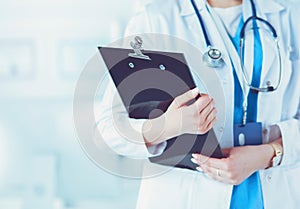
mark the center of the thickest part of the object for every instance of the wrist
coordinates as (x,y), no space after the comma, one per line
(154,131)
(267,153)
(278,153)
(271,155)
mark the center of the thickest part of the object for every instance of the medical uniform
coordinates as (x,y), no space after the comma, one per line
(182,188)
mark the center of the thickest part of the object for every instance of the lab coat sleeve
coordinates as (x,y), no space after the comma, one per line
(291,140)
(121,133)
(290,127)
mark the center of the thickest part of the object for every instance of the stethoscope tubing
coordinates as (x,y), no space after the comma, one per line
(216,63)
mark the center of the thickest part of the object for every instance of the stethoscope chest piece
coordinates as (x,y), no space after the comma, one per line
(213,58)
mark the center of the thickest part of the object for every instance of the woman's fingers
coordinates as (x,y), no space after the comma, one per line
(207,109)
(214,168)
(215,172)
(210,162)
(206,113)
(195,118)
(219,178)
(185,97)
(202,102)
(211,124)
(210,117)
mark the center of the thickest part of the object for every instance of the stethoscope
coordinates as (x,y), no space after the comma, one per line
(213,56)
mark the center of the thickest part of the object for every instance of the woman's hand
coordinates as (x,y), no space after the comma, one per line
(239,164)
(197,118)
(181,118)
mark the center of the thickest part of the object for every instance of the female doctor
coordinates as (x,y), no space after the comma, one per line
(260,176)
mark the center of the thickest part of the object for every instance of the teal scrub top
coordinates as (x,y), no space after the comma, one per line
(248,194)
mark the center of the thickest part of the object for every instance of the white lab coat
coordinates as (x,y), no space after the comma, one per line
(185,189)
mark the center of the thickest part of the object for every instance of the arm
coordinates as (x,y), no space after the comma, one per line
(141,138)
(121,133)
(181,117)
(286,133)
(241,162)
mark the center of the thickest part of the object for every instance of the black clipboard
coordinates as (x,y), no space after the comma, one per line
(151,83)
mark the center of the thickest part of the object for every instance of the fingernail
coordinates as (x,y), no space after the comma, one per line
(194,161)
(199,169)
(195,156)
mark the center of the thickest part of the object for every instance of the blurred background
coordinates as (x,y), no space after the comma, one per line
(44,45)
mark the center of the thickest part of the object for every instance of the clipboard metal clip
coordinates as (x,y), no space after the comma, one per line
(137,47)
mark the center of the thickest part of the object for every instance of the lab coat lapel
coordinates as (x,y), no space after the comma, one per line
(249,44)
(224,43)
(229,52)
(188,13)
(213,32)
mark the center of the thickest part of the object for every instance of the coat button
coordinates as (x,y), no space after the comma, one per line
(269,178)
(221,129)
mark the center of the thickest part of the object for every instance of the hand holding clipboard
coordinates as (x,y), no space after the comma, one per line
(150,81)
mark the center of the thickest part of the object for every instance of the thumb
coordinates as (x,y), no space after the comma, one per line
(226,151)
(185,97)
